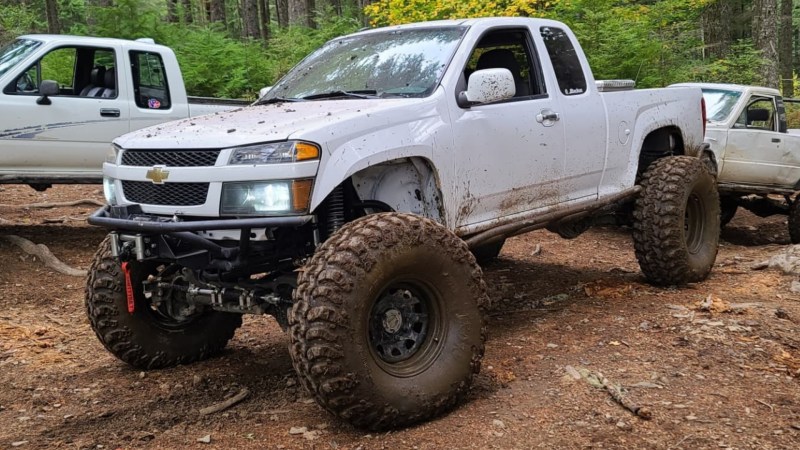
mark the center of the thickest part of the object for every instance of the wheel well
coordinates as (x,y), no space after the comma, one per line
(403,185)
(667,141)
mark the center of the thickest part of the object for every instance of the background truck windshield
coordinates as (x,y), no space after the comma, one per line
(14,52)
(407,63)
(719,103)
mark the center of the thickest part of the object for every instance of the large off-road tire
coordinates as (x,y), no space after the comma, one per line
(148,339)
(388,324)
(676,221)
(488,252)
(794,221)
(728,205)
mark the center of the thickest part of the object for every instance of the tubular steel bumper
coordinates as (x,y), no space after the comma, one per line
(131,218)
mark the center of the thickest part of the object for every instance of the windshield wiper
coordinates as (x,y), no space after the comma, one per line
(272,100)
(364,93)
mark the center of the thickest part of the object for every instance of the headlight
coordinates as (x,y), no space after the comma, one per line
(109,191)
(113,152)
(266,197)
(273,153)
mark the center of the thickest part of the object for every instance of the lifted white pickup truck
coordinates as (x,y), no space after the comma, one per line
(755,152)
(345,203)
(64,98)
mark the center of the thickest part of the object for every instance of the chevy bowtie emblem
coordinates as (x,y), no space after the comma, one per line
(157,174)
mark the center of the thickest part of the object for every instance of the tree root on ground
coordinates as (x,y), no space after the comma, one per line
(45,205)
(42,252)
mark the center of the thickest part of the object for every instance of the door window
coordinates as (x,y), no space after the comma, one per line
(759,114)
(508,49)
(79,71)
(566,65)
(150,86)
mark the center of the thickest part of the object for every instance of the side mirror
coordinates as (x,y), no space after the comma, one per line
(487,86)
(47,88)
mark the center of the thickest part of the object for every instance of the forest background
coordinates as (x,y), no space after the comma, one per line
(231,48)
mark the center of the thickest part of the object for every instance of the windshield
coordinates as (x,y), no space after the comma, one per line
(406,63)
(720,103)
(15,52)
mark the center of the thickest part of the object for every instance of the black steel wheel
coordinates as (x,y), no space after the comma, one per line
(388,328)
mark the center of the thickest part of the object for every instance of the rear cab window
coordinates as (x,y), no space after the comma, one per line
(566,65)
(150,84)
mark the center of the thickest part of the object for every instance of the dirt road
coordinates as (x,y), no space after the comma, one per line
(720,375)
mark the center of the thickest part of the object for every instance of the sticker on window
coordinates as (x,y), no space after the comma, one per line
(153,103)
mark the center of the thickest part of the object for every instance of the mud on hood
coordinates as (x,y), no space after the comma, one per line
(255,124)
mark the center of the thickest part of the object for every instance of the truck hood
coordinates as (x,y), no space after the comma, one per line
(256,124)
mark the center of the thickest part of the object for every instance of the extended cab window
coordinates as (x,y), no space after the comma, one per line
(508,49)
(759,114)
(79,71)
(150,86)
(567,66)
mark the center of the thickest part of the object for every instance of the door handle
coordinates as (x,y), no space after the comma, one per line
(776,140)
(548,118)
(109,112)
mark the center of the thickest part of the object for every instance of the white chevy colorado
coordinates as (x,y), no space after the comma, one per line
(64,98)
(346,202)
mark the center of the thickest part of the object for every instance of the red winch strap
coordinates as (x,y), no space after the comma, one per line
(128,287)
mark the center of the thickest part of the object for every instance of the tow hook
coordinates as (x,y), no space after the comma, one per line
(128,288)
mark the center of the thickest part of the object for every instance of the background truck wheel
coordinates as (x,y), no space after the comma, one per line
(388,328)
(794,221)
(148,338)
(676,221)
(487,252)
(727,209)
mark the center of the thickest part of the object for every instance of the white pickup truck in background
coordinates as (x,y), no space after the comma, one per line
(757,155)
(64,98)
(346,201)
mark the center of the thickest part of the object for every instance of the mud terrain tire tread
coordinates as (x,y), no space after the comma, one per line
(131,338)
(323,321)
(659,217)
(794,221)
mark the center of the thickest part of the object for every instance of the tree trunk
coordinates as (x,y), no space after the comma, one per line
(787,84)
(765,38)
(187,11)
(51,10)
(298,12)
(250,19)
(172,11)
(282,12)
(265,18)
(337,6)
(311,9)
(217,13)
(717,34)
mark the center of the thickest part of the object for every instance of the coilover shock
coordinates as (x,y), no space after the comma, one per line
(335,210)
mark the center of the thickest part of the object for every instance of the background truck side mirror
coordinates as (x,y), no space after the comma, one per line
(47,88)
(487,86)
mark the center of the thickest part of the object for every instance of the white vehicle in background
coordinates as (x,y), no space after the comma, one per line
(64,98)
(346,201)
(757,155)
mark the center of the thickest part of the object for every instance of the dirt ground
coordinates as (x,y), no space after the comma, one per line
(723,378)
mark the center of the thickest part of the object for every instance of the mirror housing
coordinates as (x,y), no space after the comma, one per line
(264,91)
(488,86)
(47,88)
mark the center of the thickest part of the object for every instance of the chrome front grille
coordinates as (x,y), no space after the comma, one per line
(173,194)
(169,158)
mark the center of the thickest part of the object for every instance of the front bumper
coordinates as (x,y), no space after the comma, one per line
(131,218)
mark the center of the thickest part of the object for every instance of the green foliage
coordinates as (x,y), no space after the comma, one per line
(740,67)
(17,19)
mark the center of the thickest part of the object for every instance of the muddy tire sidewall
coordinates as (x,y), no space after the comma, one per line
(138,339)
(671,186)
(340,365)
